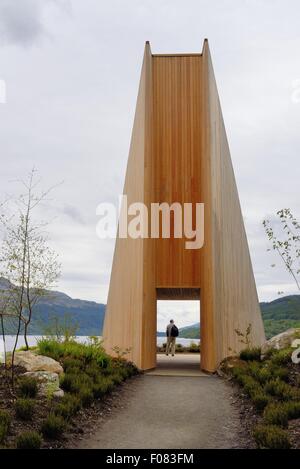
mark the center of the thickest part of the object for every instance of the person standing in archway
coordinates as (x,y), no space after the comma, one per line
(171,333)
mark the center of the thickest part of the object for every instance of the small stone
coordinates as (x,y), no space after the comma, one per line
(59,393)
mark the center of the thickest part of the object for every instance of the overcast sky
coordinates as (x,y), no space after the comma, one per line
(72,68)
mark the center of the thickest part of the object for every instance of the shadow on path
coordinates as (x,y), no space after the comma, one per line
(181,364)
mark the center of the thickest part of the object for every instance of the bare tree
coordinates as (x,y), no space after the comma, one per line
(28,263)
(284,236)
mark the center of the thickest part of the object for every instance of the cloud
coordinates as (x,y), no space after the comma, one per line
(22,22)
(73,213)
(70,108)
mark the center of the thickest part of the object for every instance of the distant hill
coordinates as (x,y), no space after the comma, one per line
(188,332)
(281,314)
(278,316)
(87,315)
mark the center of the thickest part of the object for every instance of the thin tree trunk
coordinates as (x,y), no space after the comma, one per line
(3,338)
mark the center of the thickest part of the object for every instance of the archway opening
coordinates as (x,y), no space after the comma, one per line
(183,307)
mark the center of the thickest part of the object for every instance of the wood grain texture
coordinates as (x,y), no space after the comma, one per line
(179,153)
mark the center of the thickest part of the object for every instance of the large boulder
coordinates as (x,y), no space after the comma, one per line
(33,362)
(280,341)
(48,382)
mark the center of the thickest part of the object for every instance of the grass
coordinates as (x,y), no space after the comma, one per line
(271,386)
(89,374)
(192,348)
(250,354)
(24,408)
(68,406)
(27,387)
(271,437)
(53,427)
(29,440)
(4,425)
(85,353)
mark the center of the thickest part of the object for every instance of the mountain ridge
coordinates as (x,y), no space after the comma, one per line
(278,315)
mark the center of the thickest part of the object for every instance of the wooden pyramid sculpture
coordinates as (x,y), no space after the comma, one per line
(179,153)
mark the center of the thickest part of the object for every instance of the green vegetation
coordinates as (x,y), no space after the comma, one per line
(68,406)
(281,314)
(89,374)
(278,316)
(86,353)
(29,440)
(53,427)
(271,385)
(271,437)
(192,348)
(4,425)
(274,327)
(28,387)
(250,354)
(24,408)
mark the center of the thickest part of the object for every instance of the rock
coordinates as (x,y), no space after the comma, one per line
(280,341)
(59,393)
(33,362)
(48,383)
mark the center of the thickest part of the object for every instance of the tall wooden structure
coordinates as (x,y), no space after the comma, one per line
(179,153)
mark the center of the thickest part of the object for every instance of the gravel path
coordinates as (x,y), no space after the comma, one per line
(171,412)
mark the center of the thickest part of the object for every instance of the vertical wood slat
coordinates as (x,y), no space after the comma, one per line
(179,153)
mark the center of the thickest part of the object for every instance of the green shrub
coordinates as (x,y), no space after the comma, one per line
(264,375)
(194,348)
(250,385)
(84,352)
(24,408)
(131,368)
(253,369)
(292,409)
(250,354)
(116,377)
(259,371)
(4,425)
(93,371)
(102,387)
(238,374)
(53,427)
(282,390)
(276,414)
(68,406)
(70,382)
(28,387)
(86,396)
(279,372)
(51,348)
(282,357)
(29,440)
(72,363)
(260,400)
(271,437)
(179,348)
